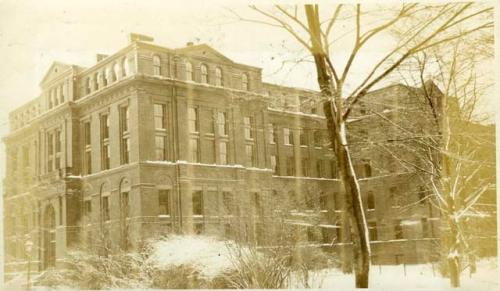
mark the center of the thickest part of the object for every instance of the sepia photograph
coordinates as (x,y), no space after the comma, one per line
(340,145)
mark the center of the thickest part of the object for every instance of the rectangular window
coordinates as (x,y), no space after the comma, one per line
(105,208)
(222,123)
(223,153)
(61,214)
(124,135)
(372,230)
(228,203)
(164,202)
(317,138)
(58,141)
(305,167)
(333,169)
(87,151)
(193,119)
(86,133)
(104,126)
(88,207)
(249,150)
(272,133)
(197,200)
(194,150)
(398,229)
(105,150)
(338,231)
(87,162)
(288,136)
(290,166)
(125,152)
(124,118)
(303,138)
(248,124)
(160,148)
(371,201)
(319,168)
(159,116)
(425,227)
(394,197)
(275,164)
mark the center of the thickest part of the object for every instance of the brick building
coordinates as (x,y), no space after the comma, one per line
(152,140)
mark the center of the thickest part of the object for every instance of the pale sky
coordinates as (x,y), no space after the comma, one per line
(33,34)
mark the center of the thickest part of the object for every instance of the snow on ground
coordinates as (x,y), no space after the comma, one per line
(209,255)
(417,277)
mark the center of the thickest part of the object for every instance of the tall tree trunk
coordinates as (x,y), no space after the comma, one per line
(338,137)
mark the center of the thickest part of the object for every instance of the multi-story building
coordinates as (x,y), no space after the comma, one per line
(152,140)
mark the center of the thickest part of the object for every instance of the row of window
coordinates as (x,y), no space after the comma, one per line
(205,77)
(56,95)
(111,73)
(427,230)
(104,141)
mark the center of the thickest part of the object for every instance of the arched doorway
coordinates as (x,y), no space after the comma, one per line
(49,237)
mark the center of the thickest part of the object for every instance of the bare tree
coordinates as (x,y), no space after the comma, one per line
(454,166)
(439,24)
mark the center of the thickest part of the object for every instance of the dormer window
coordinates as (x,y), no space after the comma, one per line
(189,71)
(88,87)
(244,82)
(156,65)
(125,68)
(63,90)
(104,78)
(96,81)
(204,74)
(218,77)
(117,71)
(112,75)
(54,97)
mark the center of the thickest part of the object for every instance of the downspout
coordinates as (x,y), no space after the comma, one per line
(176,146)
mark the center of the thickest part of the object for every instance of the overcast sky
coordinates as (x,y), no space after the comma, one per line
(33,34)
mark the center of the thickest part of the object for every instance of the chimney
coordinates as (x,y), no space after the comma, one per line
(189,43)
(100,57)
(139,37)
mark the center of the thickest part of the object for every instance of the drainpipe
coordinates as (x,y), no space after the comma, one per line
(176,147)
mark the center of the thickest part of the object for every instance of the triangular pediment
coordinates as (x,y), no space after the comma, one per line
(205,51)
(54,71)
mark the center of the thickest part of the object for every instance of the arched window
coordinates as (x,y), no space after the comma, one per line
(111,74)
(96,81)
(125,68)
(156,65)
(204,74)
(105,77)
(55,97)
(117,71)
(88,87)
(189,71)
(63,92)
(244,82)
(218,77)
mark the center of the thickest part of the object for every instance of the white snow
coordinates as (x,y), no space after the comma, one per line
(209,255)
(409,277)
(410,222)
